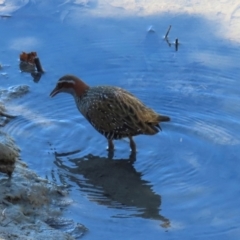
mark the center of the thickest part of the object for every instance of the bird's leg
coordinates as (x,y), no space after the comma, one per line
(132,145)
(110,145)
(132,157)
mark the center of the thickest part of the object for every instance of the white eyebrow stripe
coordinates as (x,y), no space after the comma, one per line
(67,80)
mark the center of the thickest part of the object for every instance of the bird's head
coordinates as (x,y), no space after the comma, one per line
(70,84)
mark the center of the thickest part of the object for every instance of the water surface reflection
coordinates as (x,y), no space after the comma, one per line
(114,183)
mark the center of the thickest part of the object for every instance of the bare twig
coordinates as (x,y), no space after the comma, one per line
(169,44)
(176,44)
(168,32)
(166,36)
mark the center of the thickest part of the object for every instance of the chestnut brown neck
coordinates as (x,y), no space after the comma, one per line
(80,87)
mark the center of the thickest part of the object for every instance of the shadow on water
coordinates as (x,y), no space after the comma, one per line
(114,183)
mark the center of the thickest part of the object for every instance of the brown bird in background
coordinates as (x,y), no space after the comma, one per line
(112,111)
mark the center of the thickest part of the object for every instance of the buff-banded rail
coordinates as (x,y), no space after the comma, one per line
(112,111)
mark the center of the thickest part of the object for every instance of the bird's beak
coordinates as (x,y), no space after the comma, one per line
(54,92)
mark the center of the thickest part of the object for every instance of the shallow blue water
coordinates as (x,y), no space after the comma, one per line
(184,182)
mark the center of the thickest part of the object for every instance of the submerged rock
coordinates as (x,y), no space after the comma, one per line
(4,116)
(9,153)
(31,208)
(14,92)
(8,94)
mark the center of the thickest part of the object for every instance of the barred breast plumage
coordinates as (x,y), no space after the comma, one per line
(112,111)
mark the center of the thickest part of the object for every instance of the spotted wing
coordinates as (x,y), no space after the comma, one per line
(116,113)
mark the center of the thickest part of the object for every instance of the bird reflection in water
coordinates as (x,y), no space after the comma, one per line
(114,183)
(29,68)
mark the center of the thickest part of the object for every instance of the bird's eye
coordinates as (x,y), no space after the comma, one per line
(60,85)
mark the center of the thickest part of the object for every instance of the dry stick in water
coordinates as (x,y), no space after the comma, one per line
(166,36)
(168,32)
(176,44)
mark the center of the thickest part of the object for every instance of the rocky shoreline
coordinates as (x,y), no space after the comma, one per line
(30,207)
